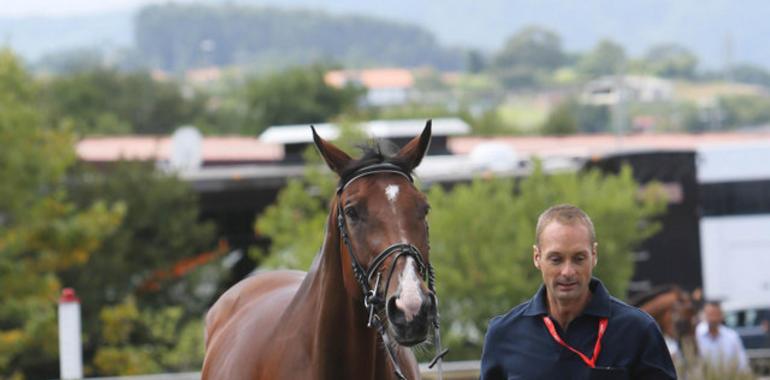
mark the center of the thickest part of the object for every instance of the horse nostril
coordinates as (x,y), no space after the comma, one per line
(395,314)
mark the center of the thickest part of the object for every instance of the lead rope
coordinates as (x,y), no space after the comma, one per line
(440,352)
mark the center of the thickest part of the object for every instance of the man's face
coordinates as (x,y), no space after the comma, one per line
(713,315)
(566,257)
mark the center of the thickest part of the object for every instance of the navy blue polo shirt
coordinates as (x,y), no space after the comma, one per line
(519,346)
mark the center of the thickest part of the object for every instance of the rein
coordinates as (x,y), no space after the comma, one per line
(374,301)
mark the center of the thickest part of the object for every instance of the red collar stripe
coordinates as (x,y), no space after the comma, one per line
(597,347)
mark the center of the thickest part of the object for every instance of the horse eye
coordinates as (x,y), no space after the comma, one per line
(351,213)
(425,212)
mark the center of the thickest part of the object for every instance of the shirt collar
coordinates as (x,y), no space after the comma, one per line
(599,305)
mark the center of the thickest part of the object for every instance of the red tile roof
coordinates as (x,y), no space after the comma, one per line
(372,78)
(233,148)
(593,145)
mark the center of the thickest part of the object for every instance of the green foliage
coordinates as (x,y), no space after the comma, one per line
(141,342)
(532,47)
(105,101)
(135,274)
(561,121)
(297,95)
(487,269)
(41,230)
(571,117)
(105,233)
(670,60)
(750,74)
(489,123)
(160,229)
(744,110)
(605,59)
(528,57)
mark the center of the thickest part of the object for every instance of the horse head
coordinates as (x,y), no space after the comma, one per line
(381,217)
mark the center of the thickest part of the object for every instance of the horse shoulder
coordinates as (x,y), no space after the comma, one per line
(242,314)
(245,292)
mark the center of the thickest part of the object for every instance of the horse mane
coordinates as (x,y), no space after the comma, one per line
(372,154)
(643,298)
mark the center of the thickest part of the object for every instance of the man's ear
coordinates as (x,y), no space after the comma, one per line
(595,253)
(415,150)
(536,256)
(336,159)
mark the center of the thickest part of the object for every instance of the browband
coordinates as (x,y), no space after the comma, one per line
(384,167)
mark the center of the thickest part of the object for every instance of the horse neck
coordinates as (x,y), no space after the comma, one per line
(342,345)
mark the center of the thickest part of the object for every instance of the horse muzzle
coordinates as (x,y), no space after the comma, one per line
(410,329)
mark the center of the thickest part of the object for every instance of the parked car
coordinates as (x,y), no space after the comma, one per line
(752,322)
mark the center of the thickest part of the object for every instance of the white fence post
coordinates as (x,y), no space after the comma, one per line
(70,349)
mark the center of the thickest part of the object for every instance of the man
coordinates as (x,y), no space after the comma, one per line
(572,328)
(719,345)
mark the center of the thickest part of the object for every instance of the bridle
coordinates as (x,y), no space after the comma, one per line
(374,298)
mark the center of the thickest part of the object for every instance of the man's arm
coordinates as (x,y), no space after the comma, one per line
(654,361)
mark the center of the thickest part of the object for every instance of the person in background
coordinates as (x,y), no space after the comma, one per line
(720,346)
(572,328)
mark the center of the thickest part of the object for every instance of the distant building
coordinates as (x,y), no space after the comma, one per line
(607,90)
(385,87)
(296,138)
(215,151)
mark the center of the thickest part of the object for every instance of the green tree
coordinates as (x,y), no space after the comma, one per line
(532,47)
(606,58)
(103,100)
(671,60)
(136,341)
(751,74)
(296,96)
(744,110)
(160,255)
(176,37)
(41,230)
(561,120)
(487,269)
(528,56)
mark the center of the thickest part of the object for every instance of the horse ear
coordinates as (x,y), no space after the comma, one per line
(334,157)
(415,150)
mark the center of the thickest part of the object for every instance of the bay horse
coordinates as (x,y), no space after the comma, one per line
(373,270)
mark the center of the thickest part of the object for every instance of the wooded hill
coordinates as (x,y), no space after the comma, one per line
(175,37)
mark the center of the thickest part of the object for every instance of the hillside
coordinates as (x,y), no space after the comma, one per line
(175,37)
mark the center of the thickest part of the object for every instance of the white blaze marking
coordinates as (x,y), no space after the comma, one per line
(391,192)
(410,299)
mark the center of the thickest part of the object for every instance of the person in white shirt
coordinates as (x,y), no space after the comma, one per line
(719,345)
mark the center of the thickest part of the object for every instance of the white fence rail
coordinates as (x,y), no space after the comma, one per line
(460,370)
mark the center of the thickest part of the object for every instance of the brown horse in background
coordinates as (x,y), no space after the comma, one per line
(675,311)
(373,269)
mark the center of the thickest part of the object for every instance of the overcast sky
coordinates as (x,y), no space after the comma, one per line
(21,8)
